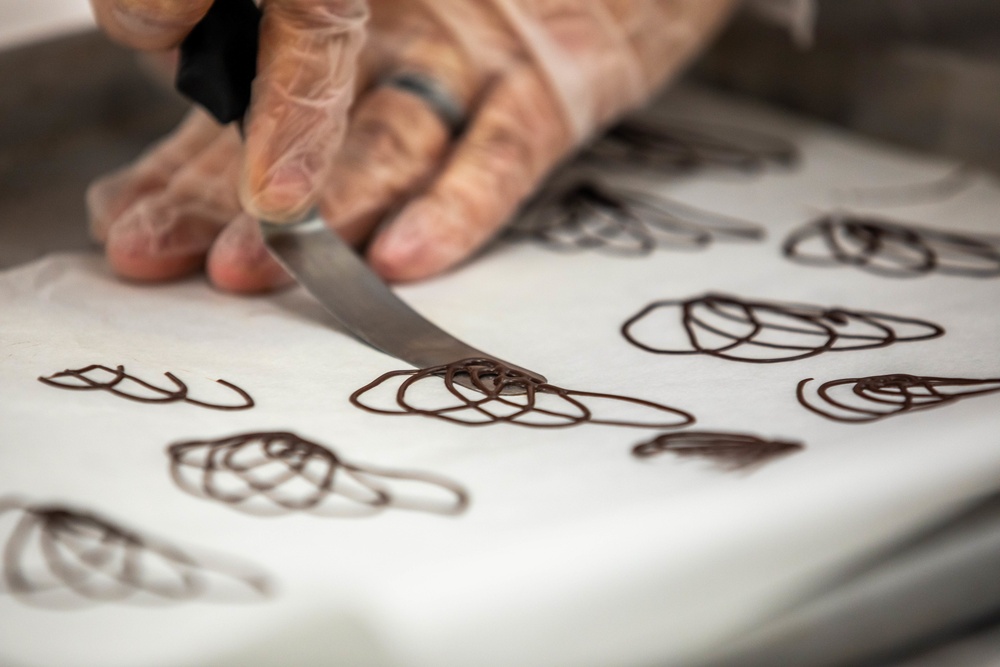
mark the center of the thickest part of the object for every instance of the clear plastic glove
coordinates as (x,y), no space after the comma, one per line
(535,78)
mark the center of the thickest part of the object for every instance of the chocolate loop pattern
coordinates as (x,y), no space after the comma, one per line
(580,214)
(56,556)
(116,381)
(893,249)
(736,329)
(280,472)
(868,399)
(678,147)
(505,395)
(729,451)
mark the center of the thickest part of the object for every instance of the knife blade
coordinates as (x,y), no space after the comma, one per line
(217,66)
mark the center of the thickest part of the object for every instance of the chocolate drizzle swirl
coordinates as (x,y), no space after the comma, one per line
(868,399)
(501,395)
(262,472)
(56,556)
(736,329)
(684,147)
(945,187)
(142,391)
(576,214)
(893,249)
(730,451)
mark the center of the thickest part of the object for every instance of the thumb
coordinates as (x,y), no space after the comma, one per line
(149,25)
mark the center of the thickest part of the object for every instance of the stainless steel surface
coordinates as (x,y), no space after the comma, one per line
(921,73)
(937,587)
(71,109)
(362,304)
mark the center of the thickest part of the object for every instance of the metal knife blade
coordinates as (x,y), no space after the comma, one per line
(217,67)
(362,304)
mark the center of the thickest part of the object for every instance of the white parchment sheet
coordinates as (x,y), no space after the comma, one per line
(572,551)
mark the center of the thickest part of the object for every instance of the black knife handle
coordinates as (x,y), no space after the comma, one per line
(218,59)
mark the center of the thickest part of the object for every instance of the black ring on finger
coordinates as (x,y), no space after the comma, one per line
(434,95)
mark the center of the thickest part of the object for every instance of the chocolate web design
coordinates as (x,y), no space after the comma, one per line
(736,329)
(868,399)
(260,472)
(892,248)
(944,187)
(58,556)
(132,388)
(578,213)
(730,451)
(501,395)
(685,147)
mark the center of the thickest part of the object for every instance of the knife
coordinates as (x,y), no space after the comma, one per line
(218,62)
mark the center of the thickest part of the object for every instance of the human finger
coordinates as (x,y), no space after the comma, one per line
(394,144)
(240,262)
(167,235)
(306,72)
(518,134)
(149,25)
(111,195)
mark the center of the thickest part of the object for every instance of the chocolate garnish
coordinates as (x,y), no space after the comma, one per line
(761,332)
(257,472)
(893,249)
(867,399)
(730,451)
(57,556)
(945,187)
(574,214)
(158,394)
(502,395)
(683,147)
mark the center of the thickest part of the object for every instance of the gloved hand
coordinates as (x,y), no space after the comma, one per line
(534,77)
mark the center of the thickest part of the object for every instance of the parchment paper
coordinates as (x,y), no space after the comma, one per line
(572,552)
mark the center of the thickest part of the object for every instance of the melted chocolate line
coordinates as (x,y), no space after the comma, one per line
(890,395)
(732,451)
(687,147)
(816,322)
(492,377)
(248,401)
(219,464)
(940,189)
(111,386)
(96,560)
(895,249)
(573,214)
(166,395)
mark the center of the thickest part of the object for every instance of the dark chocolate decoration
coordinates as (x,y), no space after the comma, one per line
(119,380)
(730,451)
(502,395)
(951,184)
(577,214)
(867,399)
(684,147)
(262,472)
(892,248)
(736,329)
(56,556)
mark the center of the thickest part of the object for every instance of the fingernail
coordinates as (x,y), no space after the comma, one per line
(398,249)
(401,246)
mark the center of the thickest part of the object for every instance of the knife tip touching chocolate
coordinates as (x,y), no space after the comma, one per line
(216,70)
